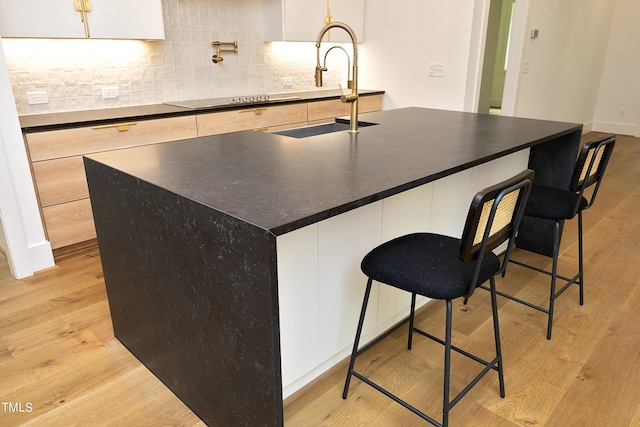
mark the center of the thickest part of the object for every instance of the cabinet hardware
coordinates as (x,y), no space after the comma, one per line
(84,6)
(262,129)
(257,111)
(122,127)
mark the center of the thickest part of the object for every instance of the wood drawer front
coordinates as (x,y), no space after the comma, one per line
(250,118)
(60,180)
(77,141)
(69,223)
(333,108)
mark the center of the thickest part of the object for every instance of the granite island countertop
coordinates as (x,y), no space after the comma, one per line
(280,183)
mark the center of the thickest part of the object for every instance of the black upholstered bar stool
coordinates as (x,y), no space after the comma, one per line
(558,205)
(444,268)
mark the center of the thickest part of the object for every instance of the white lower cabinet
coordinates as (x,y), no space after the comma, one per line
(343,241)
(320,284)
(298,301)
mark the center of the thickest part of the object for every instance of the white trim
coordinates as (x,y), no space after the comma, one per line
(476,55)
(618,128)
(27,248)
(516,48)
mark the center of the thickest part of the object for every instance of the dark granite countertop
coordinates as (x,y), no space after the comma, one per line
(280,183)
(69,119)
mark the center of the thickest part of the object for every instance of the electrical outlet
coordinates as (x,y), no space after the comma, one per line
(525,67)
(287,81)
(436,70)
(37,98)
(621,114)
(110,92)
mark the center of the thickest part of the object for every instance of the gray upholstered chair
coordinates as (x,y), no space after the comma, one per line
(445,268)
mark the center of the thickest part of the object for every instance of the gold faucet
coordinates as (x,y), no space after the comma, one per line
(353,83)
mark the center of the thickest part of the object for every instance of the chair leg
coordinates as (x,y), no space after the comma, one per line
(580,259)
(411,316)
(447,365)
(554,274)
(354,352)
(496,332)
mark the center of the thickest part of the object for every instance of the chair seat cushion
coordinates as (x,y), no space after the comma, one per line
(553,203)
(427,264)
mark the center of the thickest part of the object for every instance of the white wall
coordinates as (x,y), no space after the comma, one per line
(403,38)
(618,107)
(565,62)
(566,80)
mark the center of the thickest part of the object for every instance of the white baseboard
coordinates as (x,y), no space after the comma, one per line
(41,256)
(617,128)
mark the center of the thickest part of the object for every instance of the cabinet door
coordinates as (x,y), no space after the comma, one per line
(322,110)
(60,180)
(125,19)
(258,118)
(40,18)
(79,141)
(110,19)
(302,20)
(351,12)
(59,174)
(69,223)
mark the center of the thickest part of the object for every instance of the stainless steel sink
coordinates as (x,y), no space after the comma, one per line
(308,131)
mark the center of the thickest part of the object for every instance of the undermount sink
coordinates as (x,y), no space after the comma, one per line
(307,131)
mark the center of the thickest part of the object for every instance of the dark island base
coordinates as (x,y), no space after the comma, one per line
(553,163)
(210,340)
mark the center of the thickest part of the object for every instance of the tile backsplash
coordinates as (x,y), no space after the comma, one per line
(73,72)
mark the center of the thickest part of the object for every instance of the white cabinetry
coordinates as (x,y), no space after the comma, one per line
(107,19)
(320,285)
(302,20)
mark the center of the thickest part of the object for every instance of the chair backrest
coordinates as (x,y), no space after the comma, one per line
(591,164)
(494,216)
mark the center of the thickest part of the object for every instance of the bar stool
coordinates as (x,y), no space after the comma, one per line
(444,268)
(559,205)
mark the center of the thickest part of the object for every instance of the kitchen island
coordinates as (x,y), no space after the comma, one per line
(232,262)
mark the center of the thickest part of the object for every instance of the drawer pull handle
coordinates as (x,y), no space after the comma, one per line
(122,127)
(257,111)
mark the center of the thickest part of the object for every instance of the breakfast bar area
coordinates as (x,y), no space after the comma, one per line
(232,262)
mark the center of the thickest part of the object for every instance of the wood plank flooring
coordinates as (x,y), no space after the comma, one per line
(61,366)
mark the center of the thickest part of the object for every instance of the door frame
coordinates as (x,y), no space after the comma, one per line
(516,53)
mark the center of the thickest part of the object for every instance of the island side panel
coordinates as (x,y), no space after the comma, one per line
(553,162)
(193,295)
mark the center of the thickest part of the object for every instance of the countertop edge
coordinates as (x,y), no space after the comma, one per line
(42,122)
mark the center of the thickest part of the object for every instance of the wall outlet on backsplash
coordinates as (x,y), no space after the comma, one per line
(37,98)
(287,81)
(110,92)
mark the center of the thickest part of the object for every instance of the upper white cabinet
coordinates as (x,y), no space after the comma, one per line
(102,19)
(302,20)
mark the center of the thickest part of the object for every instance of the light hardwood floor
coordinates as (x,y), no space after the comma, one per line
(61,365)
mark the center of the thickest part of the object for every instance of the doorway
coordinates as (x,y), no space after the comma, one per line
(496,56)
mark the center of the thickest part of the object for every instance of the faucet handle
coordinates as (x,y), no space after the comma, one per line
(347,97)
